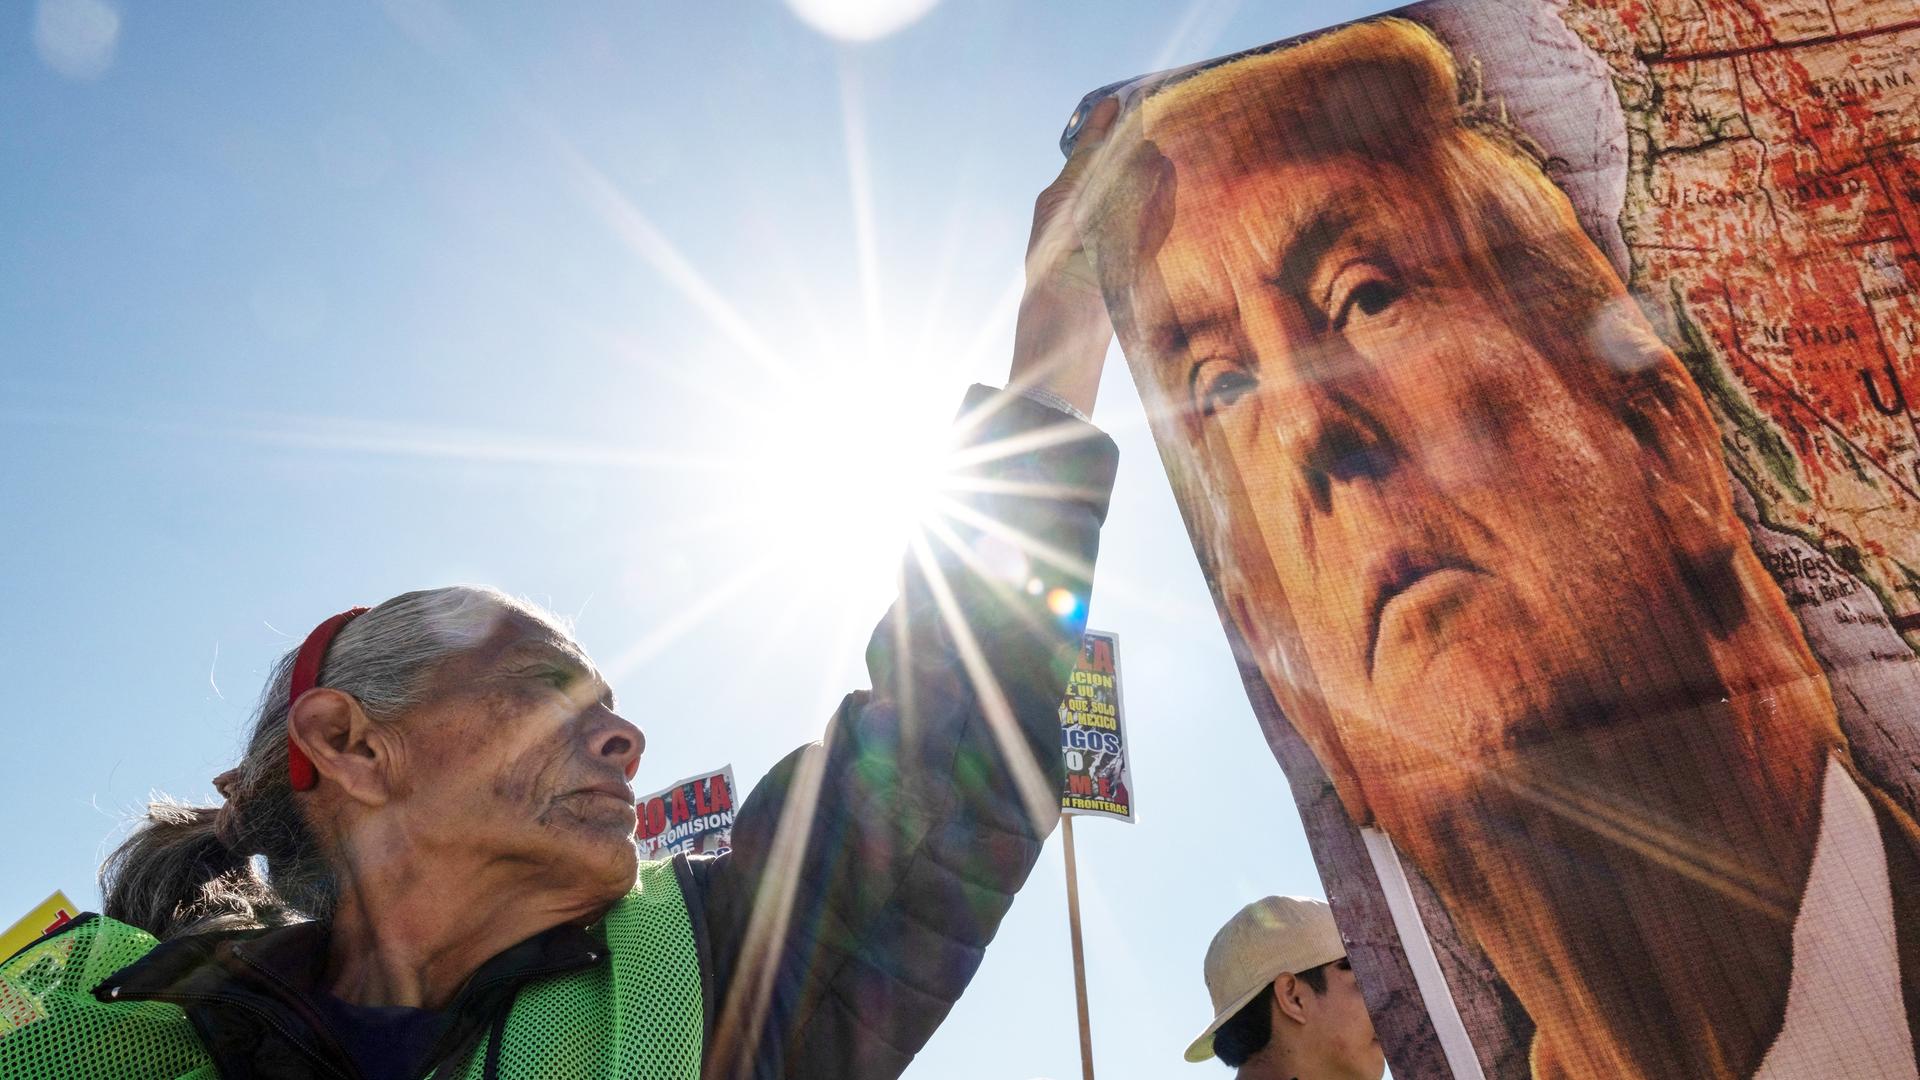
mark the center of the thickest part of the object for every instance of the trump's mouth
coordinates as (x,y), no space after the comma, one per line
(1398,579)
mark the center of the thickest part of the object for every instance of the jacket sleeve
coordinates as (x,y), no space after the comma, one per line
(870,870)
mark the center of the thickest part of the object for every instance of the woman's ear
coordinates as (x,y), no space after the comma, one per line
(346,746)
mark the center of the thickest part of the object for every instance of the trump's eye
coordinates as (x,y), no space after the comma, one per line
(1362,289)
(1220,384)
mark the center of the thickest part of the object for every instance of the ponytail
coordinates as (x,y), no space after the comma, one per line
(175,872)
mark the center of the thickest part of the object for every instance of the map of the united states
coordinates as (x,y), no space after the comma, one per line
(1772,208)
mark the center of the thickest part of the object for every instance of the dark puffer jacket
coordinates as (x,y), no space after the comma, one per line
(869,870)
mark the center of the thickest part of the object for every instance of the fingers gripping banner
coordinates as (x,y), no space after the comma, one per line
(1535,379)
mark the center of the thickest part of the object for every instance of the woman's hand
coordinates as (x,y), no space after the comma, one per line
(1060,342)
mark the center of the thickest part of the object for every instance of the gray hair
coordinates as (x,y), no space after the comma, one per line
(189,868)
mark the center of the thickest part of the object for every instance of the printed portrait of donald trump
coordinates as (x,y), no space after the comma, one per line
(1468,518)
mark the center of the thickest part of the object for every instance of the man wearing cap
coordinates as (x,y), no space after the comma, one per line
(1285,1003)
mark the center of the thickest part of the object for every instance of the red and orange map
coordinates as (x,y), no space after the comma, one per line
(1771,213)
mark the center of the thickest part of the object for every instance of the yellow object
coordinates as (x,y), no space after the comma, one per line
(53,912)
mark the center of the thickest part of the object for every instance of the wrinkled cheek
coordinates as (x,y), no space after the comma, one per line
(517,768)
(1293,640)
(1470,454)
(518,782)
(1476,415)
(521,781)
(1306,643)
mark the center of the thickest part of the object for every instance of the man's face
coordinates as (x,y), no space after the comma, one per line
(1451,540)
(1339,1028)
(517,751)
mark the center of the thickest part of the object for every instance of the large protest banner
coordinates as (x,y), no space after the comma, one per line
(1093,733)
(1536,380)
(692,816)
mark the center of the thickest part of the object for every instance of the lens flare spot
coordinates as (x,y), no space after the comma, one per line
(1063,603)
(77,38)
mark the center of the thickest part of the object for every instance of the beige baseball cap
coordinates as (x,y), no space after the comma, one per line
(1268,938)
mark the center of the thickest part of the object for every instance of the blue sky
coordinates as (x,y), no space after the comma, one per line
(305,305)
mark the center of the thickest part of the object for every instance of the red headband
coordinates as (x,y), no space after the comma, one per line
(306,672)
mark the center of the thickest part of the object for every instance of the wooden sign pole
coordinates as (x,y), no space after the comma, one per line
(1079,956)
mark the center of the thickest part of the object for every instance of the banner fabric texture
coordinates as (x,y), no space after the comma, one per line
(1537,380)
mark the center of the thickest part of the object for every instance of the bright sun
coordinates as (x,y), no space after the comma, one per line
(846,470)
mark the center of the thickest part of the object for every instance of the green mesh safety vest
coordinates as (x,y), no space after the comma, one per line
(640,1016)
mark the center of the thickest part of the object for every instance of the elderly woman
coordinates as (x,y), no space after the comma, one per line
(438,791)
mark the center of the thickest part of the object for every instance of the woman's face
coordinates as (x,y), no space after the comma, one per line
(517,753)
